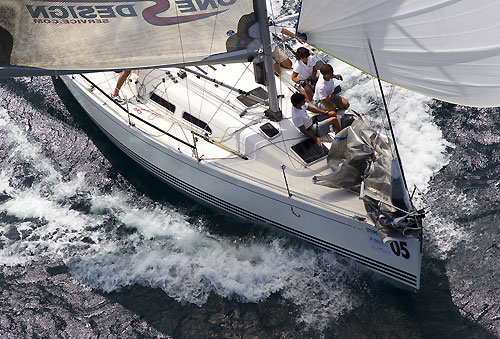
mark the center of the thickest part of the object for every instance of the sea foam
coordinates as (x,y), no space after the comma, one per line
(163,248)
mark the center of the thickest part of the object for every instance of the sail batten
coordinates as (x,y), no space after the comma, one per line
(445,49)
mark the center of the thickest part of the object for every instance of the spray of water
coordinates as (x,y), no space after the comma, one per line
(121,240)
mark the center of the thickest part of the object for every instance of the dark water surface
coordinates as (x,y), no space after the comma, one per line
(93,246)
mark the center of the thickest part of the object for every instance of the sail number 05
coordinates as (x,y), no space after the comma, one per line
(399,249)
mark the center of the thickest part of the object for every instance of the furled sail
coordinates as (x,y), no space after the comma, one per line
(445,49)
(361,159)
(118,34)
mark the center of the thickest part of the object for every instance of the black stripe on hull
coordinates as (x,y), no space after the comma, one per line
(393,272)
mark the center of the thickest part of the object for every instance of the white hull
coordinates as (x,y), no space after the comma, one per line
(228,189)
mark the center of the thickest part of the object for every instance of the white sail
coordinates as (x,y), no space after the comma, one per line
(97,35)
(445,49)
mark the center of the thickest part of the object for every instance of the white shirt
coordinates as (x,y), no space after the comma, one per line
(304,71)
(323,88)
(276,30)
(300,116)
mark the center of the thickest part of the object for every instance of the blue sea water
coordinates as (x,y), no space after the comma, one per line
(91,245)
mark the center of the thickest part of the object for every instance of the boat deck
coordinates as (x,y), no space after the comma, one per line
(231,135)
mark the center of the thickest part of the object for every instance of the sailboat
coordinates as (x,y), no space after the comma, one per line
(202,111)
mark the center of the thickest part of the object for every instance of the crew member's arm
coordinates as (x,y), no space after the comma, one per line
(313,109)
(310,135)
(295,77)
(287,32)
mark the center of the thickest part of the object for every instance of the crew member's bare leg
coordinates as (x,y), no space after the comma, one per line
(344,104)
(276,68)
(121,80)
(286,64)
(330,106)
(335,123)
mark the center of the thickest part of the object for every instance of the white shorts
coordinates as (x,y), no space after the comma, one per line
(279,55)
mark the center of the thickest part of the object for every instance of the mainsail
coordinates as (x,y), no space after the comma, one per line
(118,34)
(445,49)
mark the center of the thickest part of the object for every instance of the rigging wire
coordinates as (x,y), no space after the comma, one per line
(378,95)
(388,117)
(301,165)
(219,108)
(209,53)
(184,126)
(382,124)
(228,93)
(276,46)
(214,158)
(247,67)
(382,127)
(183,59)
(290,157)
(391,145)
(187,127)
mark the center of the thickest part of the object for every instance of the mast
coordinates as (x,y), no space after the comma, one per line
(274,108)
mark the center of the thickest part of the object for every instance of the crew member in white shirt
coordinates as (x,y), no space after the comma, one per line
(324,94)
(304,72)
(279,56)
(318,125)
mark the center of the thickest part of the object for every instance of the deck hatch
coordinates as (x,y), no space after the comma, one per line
(269,130)
(258,92)
(309,151)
